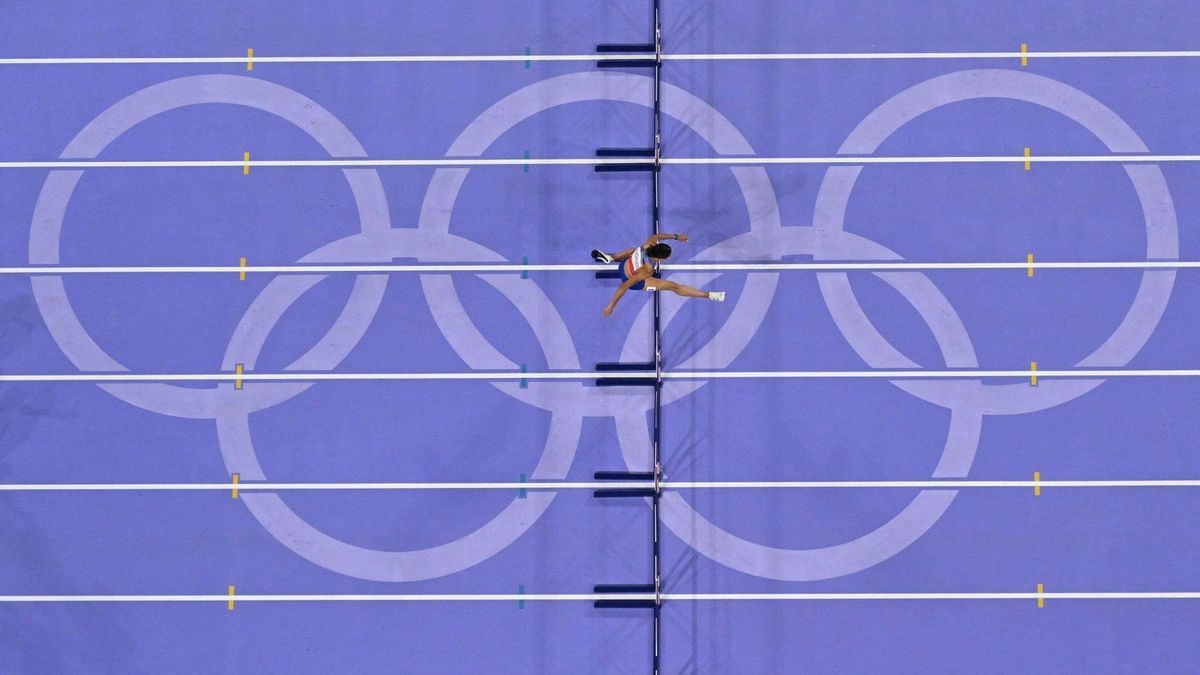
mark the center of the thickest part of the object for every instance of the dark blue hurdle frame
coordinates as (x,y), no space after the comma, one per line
(652,478)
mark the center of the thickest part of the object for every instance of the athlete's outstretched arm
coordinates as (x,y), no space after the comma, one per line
(640,276)
(655,238)
(623,255)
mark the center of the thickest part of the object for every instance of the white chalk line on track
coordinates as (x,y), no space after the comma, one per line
(592,161)
(514,268)
(589,597)
(965,374)
(596,485)
(259,59)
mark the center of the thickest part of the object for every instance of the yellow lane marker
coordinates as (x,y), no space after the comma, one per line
(1037,483)
(1027,165)
(242,271)
(237,384)
(237,478)
(246,163)
(1033,373)
(1028,259)
(249,59)
(1024,54)
(1041,600)
(230,598)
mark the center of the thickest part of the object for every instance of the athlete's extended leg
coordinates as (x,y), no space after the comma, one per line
(605,258)
(685,291)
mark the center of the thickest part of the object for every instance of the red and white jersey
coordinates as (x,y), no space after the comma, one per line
(635,261)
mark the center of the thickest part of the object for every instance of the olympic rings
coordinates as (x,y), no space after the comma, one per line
(967,400)
(569,403)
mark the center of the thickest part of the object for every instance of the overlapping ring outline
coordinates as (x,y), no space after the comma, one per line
(569,403)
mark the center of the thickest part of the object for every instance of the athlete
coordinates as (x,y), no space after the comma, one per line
(638,270)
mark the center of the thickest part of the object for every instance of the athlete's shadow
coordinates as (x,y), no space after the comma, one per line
(18,319)
(33,565)
(22,408)
(22,405)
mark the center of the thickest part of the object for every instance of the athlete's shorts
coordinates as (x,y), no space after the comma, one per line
(641,285)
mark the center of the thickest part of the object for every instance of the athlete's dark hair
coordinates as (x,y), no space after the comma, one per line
(659,251)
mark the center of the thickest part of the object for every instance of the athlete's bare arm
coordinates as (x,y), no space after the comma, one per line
(643,273)
(655,238)
(623,255)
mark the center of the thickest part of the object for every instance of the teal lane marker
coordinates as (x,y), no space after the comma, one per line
(524,381)
(528,51)
(521,591)
(525,261)
(521,494)
(525,167)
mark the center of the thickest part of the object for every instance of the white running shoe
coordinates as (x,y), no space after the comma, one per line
(716,296)
(601,257)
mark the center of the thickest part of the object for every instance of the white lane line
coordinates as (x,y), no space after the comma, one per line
(917,374)
(270,487)
(923,484)
(886,56)
(589,597)
(416,597)
(259,59)
(595,485)
(501,58)
(952,159)
(315,269)
(334,163)
(566,161)
(514,268)
(593,375)
(1117,595)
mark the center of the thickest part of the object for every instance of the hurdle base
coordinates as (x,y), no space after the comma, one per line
(625,382)
(624,168)
(624,475)
(627,63)
(620,493)
(626,48)
(624,604)
(624,152)
(609,366)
